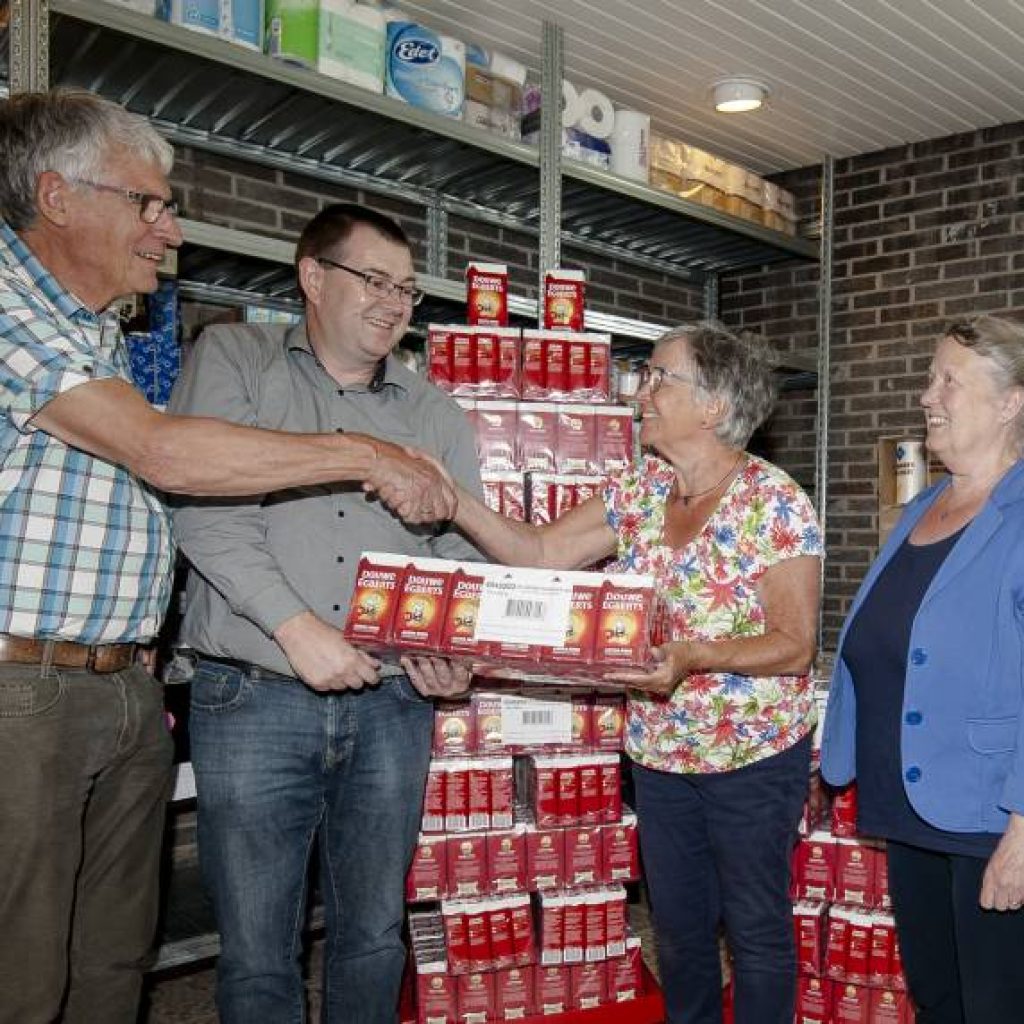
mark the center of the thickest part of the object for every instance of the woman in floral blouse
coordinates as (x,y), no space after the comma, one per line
(719,730)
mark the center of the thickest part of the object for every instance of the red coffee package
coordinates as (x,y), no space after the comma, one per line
(538,436)
(454,728)
(487,294)
(371,612)
(439,356)
(428,874)
(564,299)
(613,436)
(625,617)
(422,602)
(576,442)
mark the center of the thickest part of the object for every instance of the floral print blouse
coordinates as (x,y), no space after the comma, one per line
(714,721)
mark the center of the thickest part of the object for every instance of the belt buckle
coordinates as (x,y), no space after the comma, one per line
(90,657)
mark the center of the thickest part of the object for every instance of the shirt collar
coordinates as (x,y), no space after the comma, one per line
(297,339)
(18,258)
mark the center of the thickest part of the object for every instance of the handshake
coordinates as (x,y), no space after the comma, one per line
(411,483)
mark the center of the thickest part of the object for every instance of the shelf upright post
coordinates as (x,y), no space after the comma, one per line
(711,306)
(824,352)
(29,43)
(550,159)
(437,237)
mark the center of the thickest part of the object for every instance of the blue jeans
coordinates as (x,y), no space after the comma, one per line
(278,766)
(716,849)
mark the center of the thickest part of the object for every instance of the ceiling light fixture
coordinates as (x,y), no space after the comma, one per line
(738,95)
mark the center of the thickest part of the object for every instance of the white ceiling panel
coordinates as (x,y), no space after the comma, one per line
(846,76)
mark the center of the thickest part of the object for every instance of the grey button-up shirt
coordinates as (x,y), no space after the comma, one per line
(257,562)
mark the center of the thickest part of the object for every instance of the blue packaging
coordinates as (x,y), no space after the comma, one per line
(425,69)
(246,24)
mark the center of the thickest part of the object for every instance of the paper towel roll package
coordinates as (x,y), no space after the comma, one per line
(631,144)
(596,116)
(425,69)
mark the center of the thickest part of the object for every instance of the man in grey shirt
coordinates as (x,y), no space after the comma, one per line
(296,734)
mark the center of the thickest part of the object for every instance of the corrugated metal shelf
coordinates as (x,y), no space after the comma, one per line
(207,92)
(224,265)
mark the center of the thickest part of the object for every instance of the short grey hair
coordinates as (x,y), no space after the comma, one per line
(72,132)
(736,368)
(1001,343)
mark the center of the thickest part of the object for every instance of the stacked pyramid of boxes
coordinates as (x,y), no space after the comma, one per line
(519,908)
(538,399)
(847,952)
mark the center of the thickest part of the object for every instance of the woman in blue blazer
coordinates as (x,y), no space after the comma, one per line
(925,705)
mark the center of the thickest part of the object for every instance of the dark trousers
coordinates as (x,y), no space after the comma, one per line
(964,965)
(716,849)
(84,778)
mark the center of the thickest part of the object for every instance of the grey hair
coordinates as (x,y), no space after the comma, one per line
(1001,343)
(70,131)
(736,368)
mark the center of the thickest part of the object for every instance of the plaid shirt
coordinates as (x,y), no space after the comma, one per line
(85,547)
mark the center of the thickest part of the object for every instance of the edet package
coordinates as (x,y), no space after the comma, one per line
(487,294)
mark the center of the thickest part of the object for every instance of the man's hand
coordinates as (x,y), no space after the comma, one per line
(413,487)
(322,658)
(1002,886)
(437,677)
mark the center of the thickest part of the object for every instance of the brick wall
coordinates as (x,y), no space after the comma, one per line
(924,234)
(233,193)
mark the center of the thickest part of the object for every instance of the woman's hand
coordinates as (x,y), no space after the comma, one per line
(673,662)
(1002,887)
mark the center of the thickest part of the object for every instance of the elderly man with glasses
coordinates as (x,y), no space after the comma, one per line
(86,554)
(298,737)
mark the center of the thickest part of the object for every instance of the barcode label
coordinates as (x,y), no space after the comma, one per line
(527,607)
(537,717)
(531,720)
(519,608)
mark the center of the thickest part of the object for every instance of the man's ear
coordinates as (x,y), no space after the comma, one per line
(53,195)
(311,280)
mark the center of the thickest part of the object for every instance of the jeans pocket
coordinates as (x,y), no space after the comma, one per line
(217,690)
(405,692)
(25,693)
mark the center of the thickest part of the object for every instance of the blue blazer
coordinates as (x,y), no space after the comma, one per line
(962,734)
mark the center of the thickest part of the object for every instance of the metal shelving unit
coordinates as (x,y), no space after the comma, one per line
(208,93)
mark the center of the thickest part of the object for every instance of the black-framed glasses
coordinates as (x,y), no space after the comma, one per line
(377,285)
(151,207)
(652,377)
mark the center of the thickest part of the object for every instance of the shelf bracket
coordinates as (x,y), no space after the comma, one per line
(437,237)
(824,355)
(711,305)
(550,158)
(29,42)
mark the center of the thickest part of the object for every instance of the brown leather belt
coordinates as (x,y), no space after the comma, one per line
(100,658)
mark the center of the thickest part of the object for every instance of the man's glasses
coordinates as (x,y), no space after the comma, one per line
(652,377)
(151,207)
(377,285)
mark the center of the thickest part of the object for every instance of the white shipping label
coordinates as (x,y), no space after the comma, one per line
(524,610)
(527,720)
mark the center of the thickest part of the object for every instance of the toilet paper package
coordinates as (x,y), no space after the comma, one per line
(292,31)
(570,107)
(630,143)
(352,39)
(596,115)
(425,69)
(506,67)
